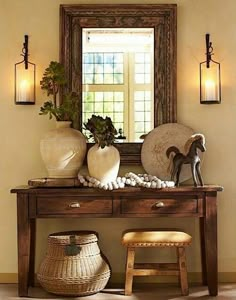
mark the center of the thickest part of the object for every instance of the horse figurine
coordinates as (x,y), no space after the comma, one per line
(196,141)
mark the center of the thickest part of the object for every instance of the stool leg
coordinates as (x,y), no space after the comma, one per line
(129,271)
(183,270)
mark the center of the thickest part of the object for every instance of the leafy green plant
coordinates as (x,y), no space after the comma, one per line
(54,79)
(102,130)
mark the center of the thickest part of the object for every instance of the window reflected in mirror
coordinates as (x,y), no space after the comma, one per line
(118,79)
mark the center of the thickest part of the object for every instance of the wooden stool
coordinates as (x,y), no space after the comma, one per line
(151,238)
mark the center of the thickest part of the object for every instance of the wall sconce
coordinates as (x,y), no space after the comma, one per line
(210,85)
(25,78)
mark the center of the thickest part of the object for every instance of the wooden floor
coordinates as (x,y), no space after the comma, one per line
(146,292)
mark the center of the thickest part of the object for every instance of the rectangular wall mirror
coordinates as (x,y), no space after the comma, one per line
(121,59)
(118,79)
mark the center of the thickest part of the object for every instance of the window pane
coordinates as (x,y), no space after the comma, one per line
(88,68)
(147,127)
(108,78)
(109,58)
(98,107)
(139,57)
(87,116)
(103,73)
(118,117)
(118,68)
(147,68)
(88,58)
(147,95)
(98,58)
(118,106)
(108,96)
(98,78)
(119,96)
(147,116)
(118,78)
(139,106)
(98,96)
(106,68)
(139,78)
(139,127)
(88,96)
(98,68)
(118,58)
(108,106)
(139,68)
(88,79)
(139,116)
(147,106)
(88,107)
(147,78)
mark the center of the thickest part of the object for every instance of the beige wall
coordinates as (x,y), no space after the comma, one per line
(21,127)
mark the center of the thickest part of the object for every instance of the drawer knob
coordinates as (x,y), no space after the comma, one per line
(74,205)
(159,204)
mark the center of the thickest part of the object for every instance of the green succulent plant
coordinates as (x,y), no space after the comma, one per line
(102,130)
(53,79)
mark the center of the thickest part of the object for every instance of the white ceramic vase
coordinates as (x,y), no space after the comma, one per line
(103,163)
(63,150)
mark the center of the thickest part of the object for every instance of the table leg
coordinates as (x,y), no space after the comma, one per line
(203,253)
(23,234)
(31,278)
(211,243)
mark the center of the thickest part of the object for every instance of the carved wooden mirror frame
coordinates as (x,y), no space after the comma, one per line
(161,17)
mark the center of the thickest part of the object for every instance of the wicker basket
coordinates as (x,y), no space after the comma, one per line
(73,265)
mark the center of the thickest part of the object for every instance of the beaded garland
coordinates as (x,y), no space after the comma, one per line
(130,179)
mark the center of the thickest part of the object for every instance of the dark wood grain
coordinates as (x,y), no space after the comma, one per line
(211,242)
(203,247)
(31,278)
(54,182)
(183,201)
(23,241)
(161,17)
(63,205)
(177,206)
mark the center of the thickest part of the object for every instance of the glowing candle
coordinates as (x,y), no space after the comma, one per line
(210,90)
(24,90)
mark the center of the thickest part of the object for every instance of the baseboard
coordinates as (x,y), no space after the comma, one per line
(8,277)
(118,278)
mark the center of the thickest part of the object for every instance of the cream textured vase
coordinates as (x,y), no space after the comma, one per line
(63,150)
(103,163)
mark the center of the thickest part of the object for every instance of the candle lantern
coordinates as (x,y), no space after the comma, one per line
(210,85)
(25,78)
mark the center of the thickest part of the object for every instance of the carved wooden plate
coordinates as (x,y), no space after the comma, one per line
(153,153)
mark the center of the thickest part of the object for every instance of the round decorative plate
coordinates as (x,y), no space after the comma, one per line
(153,153)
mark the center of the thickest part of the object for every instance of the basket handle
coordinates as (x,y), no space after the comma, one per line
(72,249)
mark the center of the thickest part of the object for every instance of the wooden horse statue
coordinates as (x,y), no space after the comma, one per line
(196,141)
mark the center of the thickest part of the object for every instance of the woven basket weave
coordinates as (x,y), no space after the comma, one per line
(73,274)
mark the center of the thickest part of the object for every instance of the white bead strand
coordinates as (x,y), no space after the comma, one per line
(130,179)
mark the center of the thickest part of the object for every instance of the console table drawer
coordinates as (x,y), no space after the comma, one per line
(162,206)
(72,205)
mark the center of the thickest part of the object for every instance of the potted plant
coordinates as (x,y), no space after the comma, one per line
(63,149)
(103,158)
(54,79)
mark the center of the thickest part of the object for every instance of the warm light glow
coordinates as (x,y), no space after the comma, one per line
(210,90)
(24,90)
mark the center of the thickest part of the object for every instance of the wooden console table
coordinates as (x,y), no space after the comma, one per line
(185,201)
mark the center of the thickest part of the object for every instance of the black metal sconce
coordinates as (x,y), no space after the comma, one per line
(210,84)
(25,78)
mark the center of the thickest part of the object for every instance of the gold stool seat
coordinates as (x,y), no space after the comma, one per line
(144,238)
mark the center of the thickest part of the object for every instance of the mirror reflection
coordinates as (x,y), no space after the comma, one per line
(118,79)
